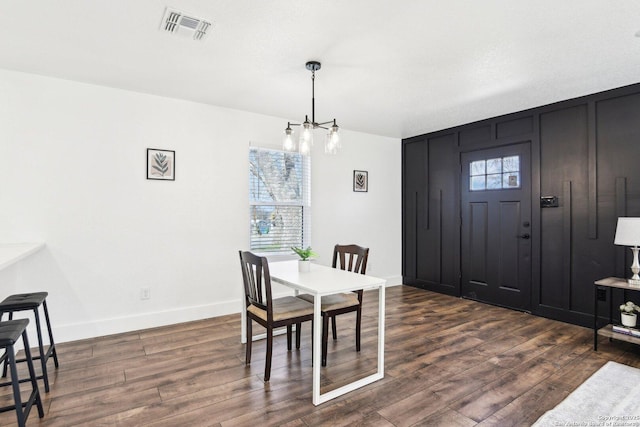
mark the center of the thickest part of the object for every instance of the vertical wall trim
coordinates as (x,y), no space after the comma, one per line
(536,214)
(621,210)
(567,284)
(440,234)
(592,132)
(621,196)
(415,240)
(427,199)
(456,259)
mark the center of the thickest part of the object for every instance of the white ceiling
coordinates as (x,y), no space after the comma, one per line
(395,68)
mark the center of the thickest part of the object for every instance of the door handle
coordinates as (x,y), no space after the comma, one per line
(525,236)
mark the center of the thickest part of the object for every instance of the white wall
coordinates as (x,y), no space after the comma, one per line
(72,174)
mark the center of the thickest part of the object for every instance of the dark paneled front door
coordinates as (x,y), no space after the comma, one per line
(496,225)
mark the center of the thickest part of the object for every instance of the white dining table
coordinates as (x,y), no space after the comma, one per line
(322,280)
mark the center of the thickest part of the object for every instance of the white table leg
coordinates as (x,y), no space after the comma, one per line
(321,398)
(381,308)
(317,348)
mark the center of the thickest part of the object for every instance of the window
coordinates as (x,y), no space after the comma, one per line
(279,200)
(495,174)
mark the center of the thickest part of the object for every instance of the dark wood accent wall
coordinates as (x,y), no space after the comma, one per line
(431,244)
(585,151)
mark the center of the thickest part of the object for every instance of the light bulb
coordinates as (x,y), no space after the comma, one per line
(306,137)
(304,148)
(287,143)
(332,142)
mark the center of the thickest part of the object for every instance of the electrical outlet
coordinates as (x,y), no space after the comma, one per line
(145,293)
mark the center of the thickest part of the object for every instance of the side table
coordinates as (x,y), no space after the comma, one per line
(607,331)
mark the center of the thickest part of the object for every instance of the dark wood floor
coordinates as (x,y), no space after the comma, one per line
(449,362)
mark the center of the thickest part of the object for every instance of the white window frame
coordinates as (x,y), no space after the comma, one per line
(304,203)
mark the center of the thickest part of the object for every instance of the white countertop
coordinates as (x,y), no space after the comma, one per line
(11,253)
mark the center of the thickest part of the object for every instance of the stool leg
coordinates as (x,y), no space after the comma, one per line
(35,391)
(52,345)
(43,358)
(4,364)
(15,384)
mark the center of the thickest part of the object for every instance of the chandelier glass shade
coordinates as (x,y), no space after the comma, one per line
(305,139)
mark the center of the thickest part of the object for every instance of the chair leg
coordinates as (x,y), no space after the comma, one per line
(333,327)
(289,330)
(247,358)
(267,362)
(325,338)
(358,323)
(298,333)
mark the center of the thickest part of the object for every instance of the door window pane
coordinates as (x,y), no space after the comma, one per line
(494,181)
(494,166)
(477,168)
(511,164)
(477,183)
(511,180)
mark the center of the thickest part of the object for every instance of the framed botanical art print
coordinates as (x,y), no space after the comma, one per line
(161,164)
(360,181)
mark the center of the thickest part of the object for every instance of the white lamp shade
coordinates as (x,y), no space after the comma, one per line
(628,232)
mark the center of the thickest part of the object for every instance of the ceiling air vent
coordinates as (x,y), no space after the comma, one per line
(176,22)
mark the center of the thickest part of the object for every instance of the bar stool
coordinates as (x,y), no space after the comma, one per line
(10,331)
(32,301)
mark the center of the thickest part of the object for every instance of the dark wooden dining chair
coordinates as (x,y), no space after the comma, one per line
(266,311)
(351,258)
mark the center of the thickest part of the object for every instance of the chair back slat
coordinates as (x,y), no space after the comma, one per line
(257,281)
(352,258)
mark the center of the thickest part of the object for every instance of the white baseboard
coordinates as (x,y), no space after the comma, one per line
(116,325)
(102,327)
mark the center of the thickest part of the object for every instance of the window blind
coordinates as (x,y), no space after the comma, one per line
(279,200)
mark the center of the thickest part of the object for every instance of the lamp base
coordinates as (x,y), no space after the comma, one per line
(634,282)
(635,268)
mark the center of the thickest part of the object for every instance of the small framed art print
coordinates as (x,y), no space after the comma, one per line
(360,181)
(161,164)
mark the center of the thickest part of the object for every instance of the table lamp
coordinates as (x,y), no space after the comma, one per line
(628,234)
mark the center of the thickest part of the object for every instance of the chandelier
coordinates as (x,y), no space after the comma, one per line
(305,141)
